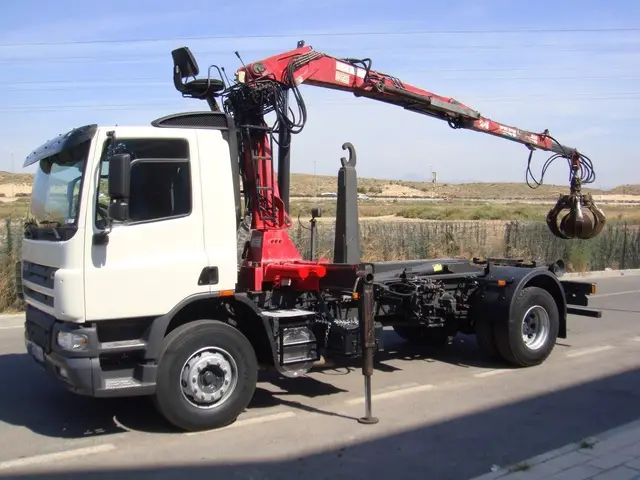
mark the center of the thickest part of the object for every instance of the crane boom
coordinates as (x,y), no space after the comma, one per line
(305,65)
(262,87)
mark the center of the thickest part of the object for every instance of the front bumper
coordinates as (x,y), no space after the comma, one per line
(91,372)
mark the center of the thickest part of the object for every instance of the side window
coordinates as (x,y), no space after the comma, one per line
(159,190)
(160,179)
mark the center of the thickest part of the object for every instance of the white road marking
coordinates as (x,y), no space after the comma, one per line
(589,351)
(12,328)
(598,295)
(250,421)
(392,394)
(52,457)
(491,373)
(636,339)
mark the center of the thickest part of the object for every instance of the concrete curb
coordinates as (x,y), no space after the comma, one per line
(564,450)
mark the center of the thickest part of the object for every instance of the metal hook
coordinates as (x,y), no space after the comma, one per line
(352,155)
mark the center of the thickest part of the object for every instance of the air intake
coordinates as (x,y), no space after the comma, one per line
(213,120)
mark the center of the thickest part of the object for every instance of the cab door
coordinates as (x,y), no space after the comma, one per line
(148,264)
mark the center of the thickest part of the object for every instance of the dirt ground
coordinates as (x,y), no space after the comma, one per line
(9,190)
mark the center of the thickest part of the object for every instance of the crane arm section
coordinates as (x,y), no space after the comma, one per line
(307,66)
(303,65)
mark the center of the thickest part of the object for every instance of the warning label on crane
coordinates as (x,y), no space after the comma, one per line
(350,69)
(343,78)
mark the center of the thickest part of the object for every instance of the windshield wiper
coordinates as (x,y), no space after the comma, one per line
(29,225)
(53,226)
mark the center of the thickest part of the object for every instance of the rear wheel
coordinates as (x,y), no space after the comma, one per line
(207,375)
(529,336)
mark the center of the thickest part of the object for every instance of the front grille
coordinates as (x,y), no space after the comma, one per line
(40,275)
(38,297)
(38,327)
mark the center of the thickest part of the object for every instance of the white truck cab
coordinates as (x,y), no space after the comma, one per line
(177,242)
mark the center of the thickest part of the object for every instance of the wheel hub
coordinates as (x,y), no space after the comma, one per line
(208,378)
(535,327)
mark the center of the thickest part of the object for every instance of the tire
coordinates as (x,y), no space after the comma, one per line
(486,339)
(220,349)
(509,333)
(432,337)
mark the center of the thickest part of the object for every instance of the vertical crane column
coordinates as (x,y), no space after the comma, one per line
(284,158)
(347,237)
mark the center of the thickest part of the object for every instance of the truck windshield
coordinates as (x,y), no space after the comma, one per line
(56,190)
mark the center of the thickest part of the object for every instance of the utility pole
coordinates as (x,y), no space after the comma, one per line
(13,169)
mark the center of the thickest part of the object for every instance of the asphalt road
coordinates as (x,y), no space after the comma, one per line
(442,416)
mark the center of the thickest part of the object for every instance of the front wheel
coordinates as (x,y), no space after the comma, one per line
(529,336)
(207,375)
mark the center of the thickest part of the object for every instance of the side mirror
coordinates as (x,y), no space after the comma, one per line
(119,176)
(119,186)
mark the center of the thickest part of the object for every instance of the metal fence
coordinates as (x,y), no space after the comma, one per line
(617,247)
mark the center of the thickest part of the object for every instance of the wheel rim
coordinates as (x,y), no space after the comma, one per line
(535,327)
(209,377)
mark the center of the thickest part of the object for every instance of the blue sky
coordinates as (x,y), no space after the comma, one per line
(582,86)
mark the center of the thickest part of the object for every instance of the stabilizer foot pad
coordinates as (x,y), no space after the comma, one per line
(368,420)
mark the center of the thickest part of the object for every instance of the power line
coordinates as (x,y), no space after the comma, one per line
(42,82)
(149,82)
(440,49)
(325,34)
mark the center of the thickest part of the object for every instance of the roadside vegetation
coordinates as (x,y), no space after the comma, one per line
(10,254)
(458,210)
(617,247)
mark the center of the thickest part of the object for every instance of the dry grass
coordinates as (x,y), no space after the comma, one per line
(9,247)
(626,190)
(459,210)
(16,178)
(15,209)
(305,185)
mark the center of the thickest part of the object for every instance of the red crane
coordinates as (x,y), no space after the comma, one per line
(262,87)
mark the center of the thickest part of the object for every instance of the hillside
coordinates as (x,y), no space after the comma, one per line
(625,190)
(15,178)
(305,185)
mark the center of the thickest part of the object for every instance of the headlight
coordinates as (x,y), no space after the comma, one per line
(72,341)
